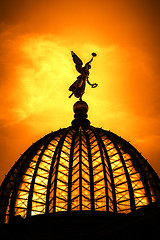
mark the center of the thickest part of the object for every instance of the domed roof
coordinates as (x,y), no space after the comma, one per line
(78,168)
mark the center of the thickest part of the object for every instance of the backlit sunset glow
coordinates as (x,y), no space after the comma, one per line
(36,41)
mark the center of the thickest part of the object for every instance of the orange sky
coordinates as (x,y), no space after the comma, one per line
(36,70)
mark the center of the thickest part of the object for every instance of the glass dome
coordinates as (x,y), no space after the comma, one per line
(78,168)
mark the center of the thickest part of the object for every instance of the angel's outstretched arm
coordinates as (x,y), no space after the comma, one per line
(92,85)
(89,82)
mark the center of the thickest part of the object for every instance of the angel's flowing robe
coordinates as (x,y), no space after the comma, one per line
(78,87)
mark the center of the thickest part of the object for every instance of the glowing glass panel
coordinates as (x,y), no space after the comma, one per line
(120,181)
(23,191)
(136,180)
(41,180)
(98,175)
(86,195)
(75,177)
(63,173)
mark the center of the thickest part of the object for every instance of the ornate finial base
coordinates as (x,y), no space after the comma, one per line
(80,109)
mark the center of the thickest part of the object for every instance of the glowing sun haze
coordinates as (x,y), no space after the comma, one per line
(36,71)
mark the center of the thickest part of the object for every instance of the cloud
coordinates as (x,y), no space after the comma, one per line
(37,72)
(31,73)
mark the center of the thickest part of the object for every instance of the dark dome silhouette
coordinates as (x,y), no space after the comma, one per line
(78,168)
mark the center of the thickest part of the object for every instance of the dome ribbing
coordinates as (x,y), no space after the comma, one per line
(79,168)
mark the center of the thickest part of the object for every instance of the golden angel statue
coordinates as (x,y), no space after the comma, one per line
(78,87)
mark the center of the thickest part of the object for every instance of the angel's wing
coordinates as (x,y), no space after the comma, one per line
(77,61)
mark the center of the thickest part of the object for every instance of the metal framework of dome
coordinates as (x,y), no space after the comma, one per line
(78,168)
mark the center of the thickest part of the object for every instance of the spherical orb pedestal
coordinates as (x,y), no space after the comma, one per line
(80,109)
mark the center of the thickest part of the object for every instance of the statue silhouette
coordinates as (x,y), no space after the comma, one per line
(78,87)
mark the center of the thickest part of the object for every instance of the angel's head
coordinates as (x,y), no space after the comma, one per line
(87,66)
